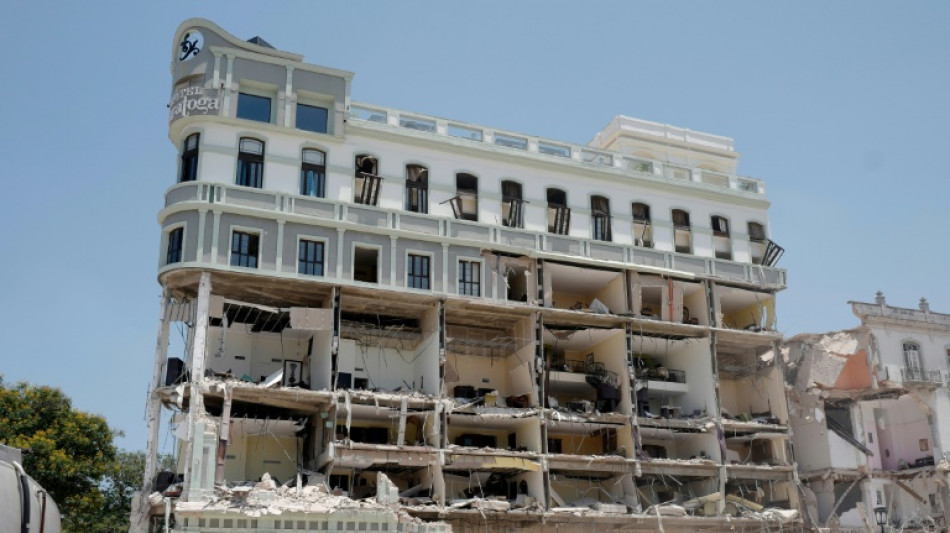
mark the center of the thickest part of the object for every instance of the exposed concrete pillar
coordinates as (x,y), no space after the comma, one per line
(153,417)
(140,506)
(196,365)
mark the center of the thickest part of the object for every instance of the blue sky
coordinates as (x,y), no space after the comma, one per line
(840,106)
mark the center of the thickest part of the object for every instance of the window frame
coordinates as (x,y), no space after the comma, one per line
(326,119)
(323,243)
(722,221)
(600,219)
(188,166)
(645,237)
(514,204)
(250,232)
(460,282)
(306,166)
(419,186)
(379,260)
(458,202)
(252,92)
(367,193)
(720,231)
(169,231)
(679,227)
(905,352)
(427,277)
(753,238)
(251,159)
(560,223)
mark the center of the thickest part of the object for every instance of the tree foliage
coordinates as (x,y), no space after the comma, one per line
(68,451)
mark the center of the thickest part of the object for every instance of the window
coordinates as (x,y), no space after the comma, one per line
(366,264)
(682,238)
(253,107)
(757,242)
(470,278)
(417,276)
(244,248)
(512,205)
(366,189)
(313,172)
(924,445)
(189,159)
(720,226)
(756,232)
(721,241)
(310,258)
(175,237)
(312,118)
(417,189)
(559,215)
(912,357)
(642,226)
(250,169)
(465,202)
(600,218)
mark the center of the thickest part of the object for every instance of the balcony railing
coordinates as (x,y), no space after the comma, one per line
(919,375)
(581,154)
(437,226)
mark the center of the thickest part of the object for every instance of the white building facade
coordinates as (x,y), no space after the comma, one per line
(870,411)
(471,327)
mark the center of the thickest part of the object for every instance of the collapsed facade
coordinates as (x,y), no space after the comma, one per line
(870,410)
(397,322)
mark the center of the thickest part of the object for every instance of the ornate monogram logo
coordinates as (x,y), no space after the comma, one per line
(190,45)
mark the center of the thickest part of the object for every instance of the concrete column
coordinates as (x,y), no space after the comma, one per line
(153,422)
(196,367)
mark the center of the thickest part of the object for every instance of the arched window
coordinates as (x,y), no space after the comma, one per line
(465,203)
(757,242)
(417,189)
(313,170)
(642,225)
(600,218)
(189,158)
(366,182)
(682,234)
(512,204)
(559,215)
(912,360)
(250,169)
(722,243)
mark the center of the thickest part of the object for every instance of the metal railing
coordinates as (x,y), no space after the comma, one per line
(919,375)
(592,369)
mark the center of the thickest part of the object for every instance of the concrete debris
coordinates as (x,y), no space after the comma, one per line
(266,483)
(667,509)
(387,493)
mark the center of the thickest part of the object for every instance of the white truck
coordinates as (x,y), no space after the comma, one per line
(24,506)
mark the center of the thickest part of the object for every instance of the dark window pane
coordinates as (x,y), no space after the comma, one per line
(253,107)
(312,118)
(311,258)
(469,278)
(244,248)
(312,181)
(189,159)
(174,246)
(418,274)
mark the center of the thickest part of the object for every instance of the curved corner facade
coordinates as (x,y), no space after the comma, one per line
(454,320)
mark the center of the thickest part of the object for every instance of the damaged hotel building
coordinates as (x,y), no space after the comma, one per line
(399,322)
(870,411)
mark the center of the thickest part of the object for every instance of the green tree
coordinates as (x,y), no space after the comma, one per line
(68,451)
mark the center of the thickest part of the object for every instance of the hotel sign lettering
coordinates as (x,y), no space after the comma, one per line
(193,100)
